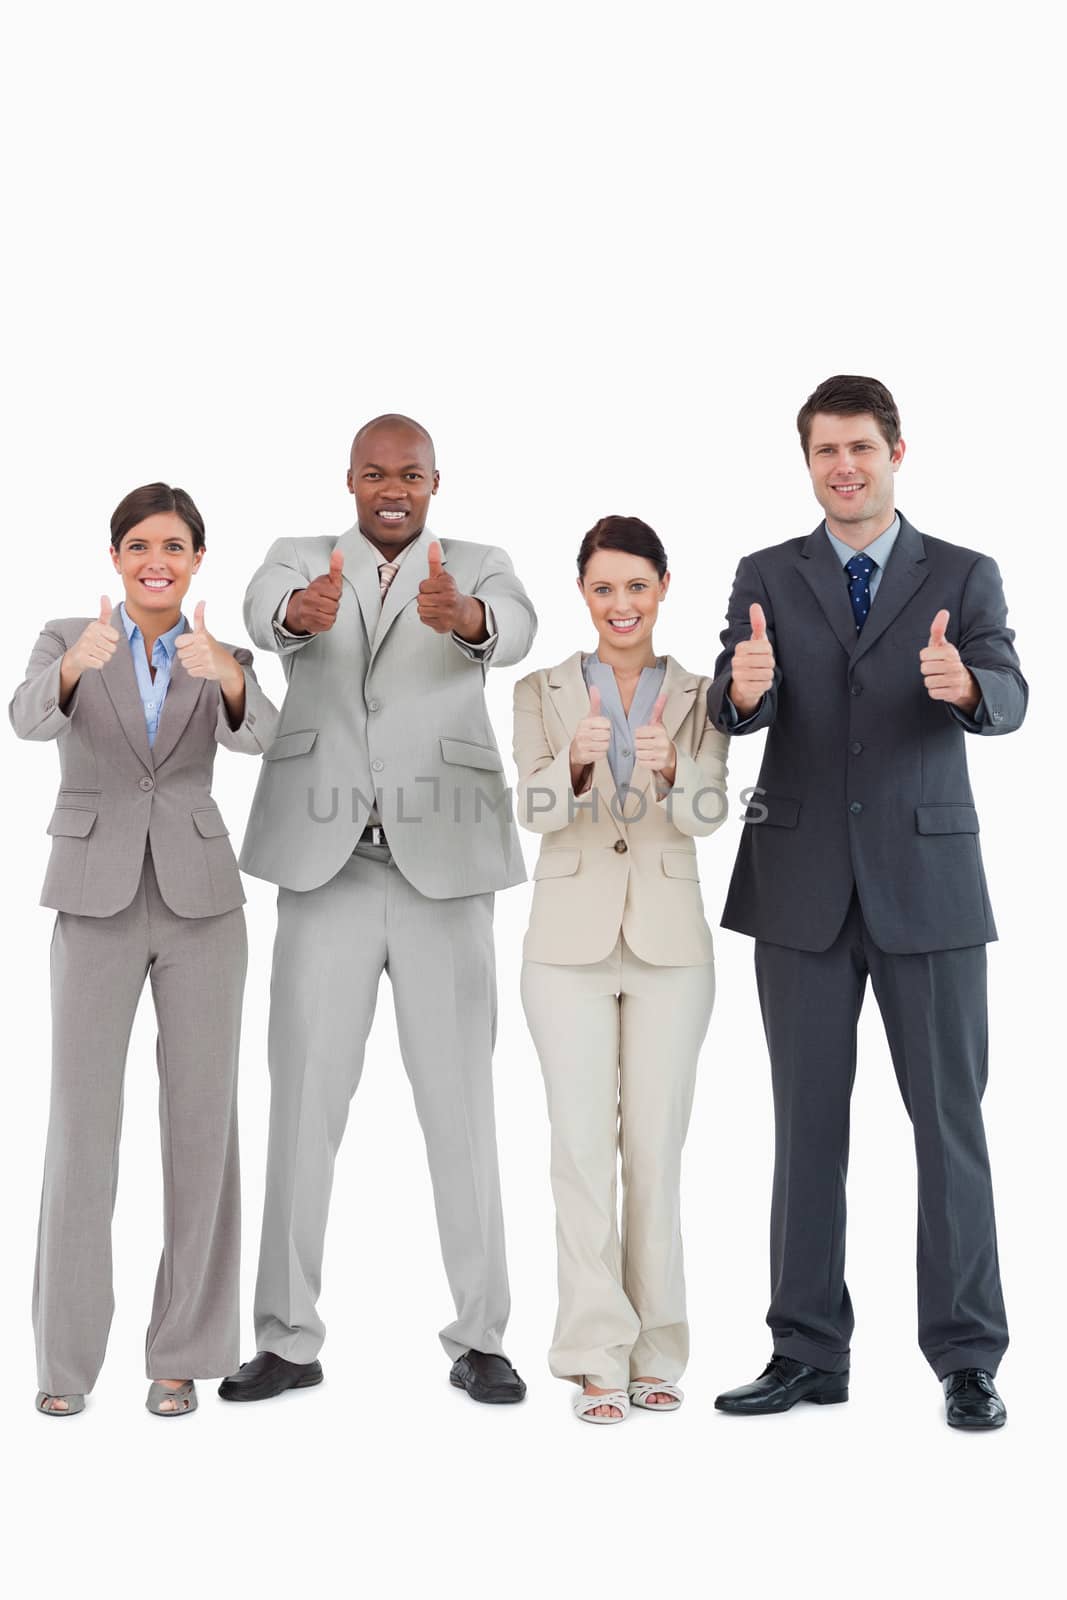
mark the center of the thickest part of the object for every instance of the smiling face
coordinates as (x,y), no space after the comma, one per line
(623,593)
(852,470)
(393,477)
(156,562)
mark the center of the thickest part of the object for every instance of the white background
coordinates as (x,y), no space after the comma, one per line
(603,252)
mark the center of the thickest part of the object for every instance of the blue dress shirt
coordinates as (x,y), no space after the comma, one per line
(153,691)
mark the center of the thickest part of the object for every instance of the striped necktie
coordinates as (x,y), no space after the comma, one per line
(387,571)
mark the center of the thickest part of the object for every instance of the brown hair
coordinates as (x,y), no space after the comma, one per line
(630,534)
(148,501)
(851,397)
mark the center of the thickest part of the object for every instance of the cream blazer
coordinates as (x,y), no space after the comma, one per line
(605,866)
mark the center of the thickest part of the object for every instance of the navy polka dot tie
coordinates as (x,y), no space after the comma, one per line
(859,571)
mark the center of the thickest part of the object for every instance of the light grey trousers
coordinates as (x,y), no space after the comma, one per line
(618,1041)
(197,969)
(332,946)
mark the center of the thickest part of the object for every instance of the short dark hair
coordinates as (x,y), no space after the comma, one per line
(148,501)
(851,397)
(630,534)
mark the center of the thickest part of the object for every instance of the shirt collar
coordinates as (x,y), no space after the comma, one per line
(879,551)
(168,640)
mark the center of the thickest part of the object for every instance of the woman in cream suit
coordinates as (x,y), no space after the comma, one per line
(620,771)
(144,882)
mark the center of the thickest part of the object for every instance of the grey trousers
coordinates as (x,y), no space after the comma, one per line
(332,946)
(197,968)
(934,1010)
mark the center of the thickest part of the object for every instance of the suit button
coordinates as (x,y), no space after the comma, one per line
(856,807)
(621,847)
(856,747)
(857,688)
(146,784)
(374,705)
(377,766)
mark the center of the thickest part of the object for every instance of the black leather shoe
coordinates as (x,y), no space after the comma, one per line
(267,1375)
(780,1385)
(972,1401)
(491,1379)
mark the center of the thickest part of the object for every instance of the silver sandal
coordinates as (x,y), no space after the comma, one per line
(183,1398)
(75,1403)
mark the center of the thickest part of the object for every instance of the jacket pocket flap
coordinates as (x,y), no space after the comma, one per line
(772,810)
(68,823)
(291,744)
(462,754)
(557,864)
(680,864)
(949,818)
(209,823)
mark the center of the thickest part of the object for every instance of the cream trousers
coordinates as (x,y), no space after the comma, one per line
(619,1042)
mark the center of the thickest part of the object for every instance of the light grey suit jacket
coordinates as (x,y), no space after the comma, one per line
(116,791)
(381,709)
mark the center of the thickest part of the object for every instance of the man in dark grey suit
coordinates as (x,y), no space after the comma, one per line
(869,650)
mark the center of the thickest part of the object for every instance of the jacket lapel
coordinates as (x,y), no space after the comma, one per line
(822,572)
(404,587)
(183,693)
(360,572)
(570,700)
(905,573)
(121,685)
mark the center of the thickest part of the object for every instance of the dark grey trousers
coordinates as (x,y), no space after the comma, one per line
(933,1007)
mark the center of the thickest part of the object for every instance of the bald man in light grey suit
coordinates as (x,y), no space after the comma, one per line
(384,817)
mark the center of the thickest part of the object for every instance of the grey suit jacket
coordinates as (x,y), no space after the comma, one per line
(864,778)
(381,709)
(116,792)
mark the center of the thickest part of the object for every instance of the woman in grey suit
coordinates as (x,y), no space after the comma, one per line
(144,881)
(620,771)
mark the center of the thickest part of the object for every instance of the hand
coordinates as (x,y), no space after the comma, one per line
(752,666)
(202,656)
(653,750)
(441,605)
(314,609)
(592,736)
(945,676)
(95,647)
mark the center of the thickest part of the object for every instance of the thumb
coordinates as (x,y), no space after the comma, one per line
(937,628)
(594,701)
(198,618)
(105,609)
(337,562)
(657,710)
(758,622)
(435,557)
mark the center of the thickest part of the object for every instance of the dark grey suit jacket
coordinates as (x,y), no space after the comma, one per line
(864,777)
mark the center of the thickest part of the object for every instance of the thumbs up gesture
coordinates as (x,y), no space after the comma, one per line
(94,648)
(592,736)
(944,674)
(314,609)
(752,665)
(653,750)
(443,607)
(203,657)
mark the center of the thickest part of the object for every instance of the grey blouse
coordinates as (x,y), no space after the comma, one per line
(649,688)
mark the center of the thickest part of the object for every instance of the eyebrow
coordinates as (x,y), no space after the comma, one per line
(410,466)
(832,444)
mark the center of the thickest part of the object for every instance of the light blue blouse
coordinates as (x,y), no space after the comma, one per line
(649,688)
(153,691)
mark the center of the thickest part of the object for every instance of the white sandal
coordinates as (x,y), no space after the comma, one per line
(640,1392)
(586,1404)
